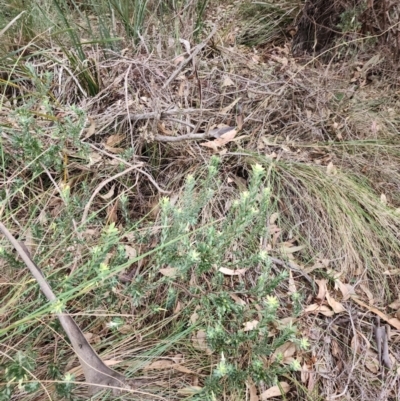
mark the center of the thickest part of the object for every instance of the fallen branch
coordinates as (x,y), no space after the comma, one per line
(97,374)
(214,133)
(187,137)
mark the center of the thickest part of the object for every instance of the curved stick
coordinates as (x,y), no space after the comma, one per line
(97,374)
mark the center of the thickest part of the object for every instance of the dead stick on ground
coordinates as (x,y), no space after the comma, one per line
(186,137)
(164,114)
(97,374)
(294,268)
(195,52)
(102,185)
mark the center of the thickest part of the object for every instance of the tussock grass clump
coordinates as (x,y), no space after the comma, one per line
(266,22)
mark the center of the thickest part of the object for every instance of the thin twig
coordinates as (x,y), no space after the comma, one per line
(293,267)
(164,114)
(186,137)
(163,191)
(122,161)
(181,122)
(196,51)
(353,365)
(102,185)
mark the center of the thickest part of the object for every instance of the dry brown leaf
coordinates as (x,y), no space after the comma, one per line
(311,382)
(94,158)
(161,364)
(335,349)
(92,128)
(228,108)
(231,272)
(108,257)
(227,82)
(273,218)
(237,299)
(355,344)
(183,369)
(182,87)
(275,391)
(194,317)
(335,305)
(178,307)
(392,272)
(248,326)
(392,321)
(112,362)
(239,138)
(346,289)
(395,304)
(287,350)
(282,60)
(368,293)
(210,144)
(88,336)
(169,271)
(126,328)
(305,369)
(222,140)
(30,242)
(130,236)
(191,390)
(371,361)
(186,43)
(331,169)
(284,323)
(307,376)
(130,252)
(112,209)
(114,151)
(316,265)
(291,249)
(252,391)
(220,130)
(199,341)
(325,262)
(179,59)
(161,127)
(321,289)
(178,358)
(114,140)
(239,121)
(323,309)
(109,194)
(292,284)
